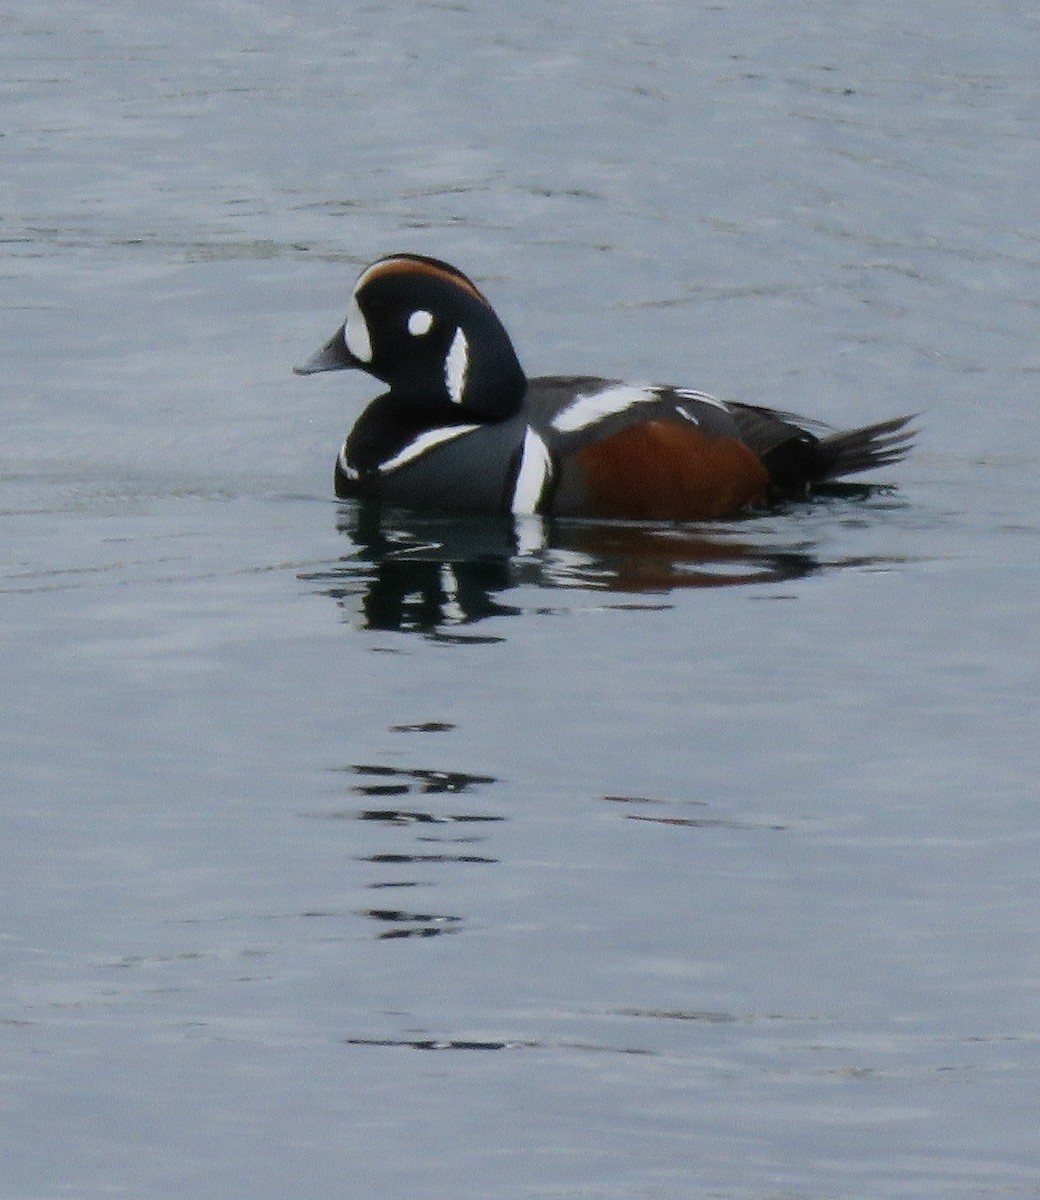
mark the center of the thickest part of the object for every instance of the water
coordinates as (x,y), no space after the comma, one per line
(451,859)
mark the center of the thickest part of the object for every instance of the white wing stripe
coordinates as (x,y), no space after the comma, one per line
(586,410)
(703,397)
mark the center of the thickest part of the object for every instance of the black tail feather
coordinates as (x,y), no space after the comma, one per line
(879,445)
(798,453)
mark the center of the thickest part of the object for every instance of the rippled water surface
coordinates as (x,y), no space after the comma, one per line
(418,859)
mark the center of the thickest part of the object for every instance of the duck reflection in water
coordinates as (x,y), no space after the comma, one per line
(435,575)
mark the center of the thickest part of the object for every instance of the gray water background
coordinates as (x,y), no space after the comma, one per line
(413,861)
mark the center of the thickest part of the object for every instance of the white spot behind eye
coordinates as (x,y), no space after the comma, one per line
(419,322)
(355,332)
(455,367)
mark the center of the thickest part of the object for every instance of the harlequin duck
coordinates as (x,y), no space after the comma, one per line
(462,429)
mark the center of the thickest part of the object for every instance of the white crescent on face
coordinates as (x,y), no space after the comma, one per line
(355,332)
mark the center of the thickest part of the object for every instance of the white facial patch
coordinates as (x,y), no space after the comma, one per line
(419,322)
(533,474)
(456,366)
(355,332)
(584,411)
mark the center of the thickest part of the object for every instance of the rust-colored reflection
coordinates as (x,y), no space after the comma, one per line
(441,576)
(641,558)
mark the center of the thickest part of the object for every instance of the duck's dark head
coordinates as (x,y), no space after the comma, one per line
(429,333)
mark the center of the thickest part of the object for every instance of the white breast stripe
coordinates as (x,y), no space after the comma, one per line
(533,474)
(584,411)
(425,441)
(456,365)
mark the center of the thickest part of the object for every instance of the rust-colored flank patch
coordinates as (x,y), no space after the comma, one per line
(662,471)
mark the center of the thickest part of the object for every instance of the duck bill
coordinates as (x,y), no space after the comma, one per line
(333,356)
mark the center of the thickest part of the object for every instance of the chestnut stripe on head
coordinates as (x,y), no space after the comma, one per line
(417,264)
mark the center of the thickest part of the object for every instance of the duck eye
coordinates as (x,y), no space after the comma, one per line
(420,322)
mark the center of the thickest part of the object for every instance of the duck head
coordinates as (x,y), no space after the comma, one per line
(427,331)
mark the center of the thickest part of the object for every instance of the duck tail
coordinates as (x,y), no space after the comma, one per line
(880,445)
(798,453)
